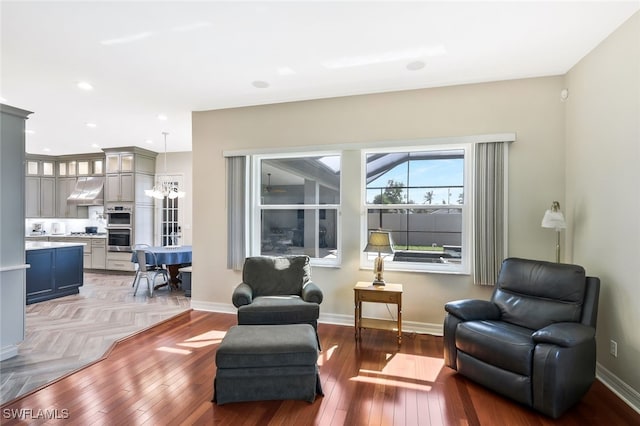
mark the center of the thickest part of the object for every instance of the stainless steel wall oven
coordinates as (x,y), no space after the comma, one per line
(119,216)
(119,239)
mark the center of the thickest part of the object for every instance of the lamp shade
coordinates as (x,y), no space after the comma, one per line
(553,220)
(379,242)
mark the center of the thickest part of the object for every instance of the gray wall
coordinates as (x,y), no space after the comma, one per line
(531,108)
(603,197)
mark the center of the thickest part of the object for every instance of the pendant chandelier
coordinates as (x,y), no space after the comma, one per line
(164,188)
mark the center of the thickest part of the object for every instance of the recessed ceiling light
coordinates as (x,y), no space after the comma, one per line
(46,149)
(162,117)
(260,84)
(84,85)
(415,65)
(92,125)
(95,145)
(149,141)
(3,100)
(30,132)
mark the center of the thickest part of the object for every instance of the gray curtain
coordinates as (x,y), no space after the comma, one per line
(489,220)
(236,211)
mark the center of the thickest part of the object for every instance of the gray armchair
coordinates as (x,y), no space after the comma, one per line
(277,290)
(534,340)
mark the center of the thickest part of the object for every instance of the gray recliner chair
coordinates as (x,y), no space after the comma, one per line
(277,290)
(534,340)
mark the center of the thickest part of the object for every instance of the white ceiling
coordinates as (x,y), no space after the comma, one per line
(168,57)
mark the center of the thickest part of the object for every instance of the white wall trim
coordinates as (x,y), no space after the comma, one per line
(469,139)
(335,319)
(224,308)
(8,351)
(625,392)
(14,267)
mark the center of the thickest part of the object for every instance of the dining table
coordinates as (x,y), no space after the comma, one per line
(174,257)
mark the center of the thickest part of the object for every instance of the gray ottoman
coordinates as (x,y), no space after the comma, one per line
(267,362)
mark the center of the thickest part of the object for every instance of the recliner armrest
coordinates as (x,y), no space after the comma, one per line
(312,293)
(473,309)
(242,295)
(565,334)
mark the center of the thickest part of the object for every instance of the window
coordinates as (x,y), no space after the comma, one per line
(297,206)
(170,229)
(420,196)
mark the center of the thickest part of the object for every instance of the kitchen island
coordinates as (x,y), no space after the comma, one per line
(55,270)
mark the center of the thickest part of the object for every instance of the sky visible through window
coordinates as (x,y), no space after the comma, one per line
(445,177)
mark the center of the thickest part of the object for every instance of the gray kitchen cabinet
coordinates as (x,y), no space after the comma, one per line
(98,253)
(65,188)
(40,197)
(119,187)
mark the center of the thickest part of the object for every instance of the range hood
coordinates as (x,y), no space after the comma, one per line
(88,192)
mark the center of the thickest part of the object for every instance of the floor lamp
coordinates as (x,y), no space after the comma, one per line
(553,218)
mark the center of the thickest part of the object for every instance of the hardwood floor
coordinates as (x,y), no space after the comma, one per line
(65,334)
(164,376)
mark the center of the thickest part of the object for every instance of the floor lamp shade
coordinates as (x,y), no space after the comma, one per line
(553,218)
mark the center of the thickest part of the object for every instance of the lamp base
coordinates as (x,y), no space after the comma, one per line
(378,282)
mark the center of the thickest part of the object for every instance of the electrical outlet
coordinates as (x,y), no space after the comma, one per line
(613,348)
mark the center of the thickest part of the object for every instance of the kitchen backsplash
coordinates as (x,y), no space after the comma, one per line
(96,218)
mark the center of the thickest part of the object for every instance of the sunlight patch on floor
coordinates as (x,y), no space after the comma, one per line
(212,337)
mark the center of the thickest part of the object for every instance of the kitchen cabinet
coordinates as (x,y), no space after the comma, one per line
(119,187)
(120,162)
(120,261)
(65,187)
(40,198)
(80,165)
(54,272)
(39,167)
(98,253)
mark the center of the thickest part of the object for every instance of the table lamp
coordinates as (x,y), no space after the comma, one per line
(379,242)
(553,218)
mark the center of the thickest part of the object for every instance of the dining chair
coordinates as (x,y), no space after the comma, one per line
(135,249)
(146,268)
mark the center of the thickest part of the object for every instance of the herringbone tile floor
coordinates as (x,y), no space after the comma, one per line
(65,334)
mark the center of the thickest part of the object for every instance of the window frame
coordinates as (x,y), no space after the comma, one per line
(256,207)
(464,267)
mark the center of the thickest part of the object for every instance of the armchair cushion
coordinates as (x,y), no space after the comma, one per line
(473,309)
(269,276)
(278,310)
(565,334)
(534,294)
(312,293)
(507,346)
(242,295)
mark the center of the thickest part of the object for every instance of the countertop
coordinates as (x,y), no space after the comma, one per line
(39,236)
(41,245)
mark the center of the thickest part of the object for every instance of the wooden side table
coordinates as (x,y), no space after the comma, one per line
(367,292)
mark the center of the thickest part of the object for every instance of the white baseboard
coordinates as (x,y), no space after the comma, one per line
(625,392)
(224,308)
(336,319)
(8,351)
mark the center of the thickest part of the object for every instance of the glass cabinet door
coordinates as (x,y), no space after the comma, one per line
(97,167)
(83,168)
(32,167)
(47,168)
